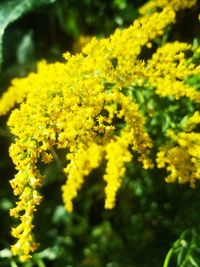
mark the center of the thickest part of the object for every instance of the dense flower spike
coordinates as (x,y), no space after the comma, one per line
(82,161)
(24,185)
(117,155)
(86,106)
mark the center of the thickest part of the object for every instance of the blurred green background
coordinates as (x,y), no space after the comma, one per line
(150,215)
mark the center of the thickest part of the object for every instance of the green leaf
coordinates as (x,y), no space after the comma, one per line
(25,49)
(13,10)
(181,256)
(193,262)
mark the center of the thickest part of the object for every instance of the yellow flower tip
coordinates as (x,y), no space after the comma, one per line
(109,204)
(24,258)
(149,45)
(14,213)
(67,197)
(147,163)
(23,250)
(69,206)
(169,179)
(16,232)
(67,56)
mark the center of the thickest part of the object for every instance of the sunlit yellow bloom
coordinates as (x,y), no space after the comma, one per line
(167,70)
(182,160)
(85,106)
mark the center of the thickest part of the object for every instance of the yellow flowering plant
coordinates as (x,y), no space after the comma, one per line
(106,107)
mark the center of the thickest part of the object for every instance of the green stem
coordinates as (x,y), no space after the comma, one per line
(168,257)
(183,264)
(13,264)
(40,263)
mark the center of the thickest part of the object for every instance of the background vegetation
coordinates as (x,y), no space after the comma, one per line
(150,216)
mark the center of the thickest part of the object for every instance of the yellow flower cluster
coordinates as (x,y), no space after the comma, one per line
(116,154)
(182,160)
(82,161)
(121,49)
(177,5)
(80,106)
(24,185)
(84,157)
(167,69)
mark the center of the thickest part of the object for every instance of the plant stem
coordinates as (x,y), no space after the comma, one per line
(168,257)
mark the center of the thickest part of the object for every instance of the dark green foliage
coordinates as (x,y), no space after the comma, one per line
(13,10)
